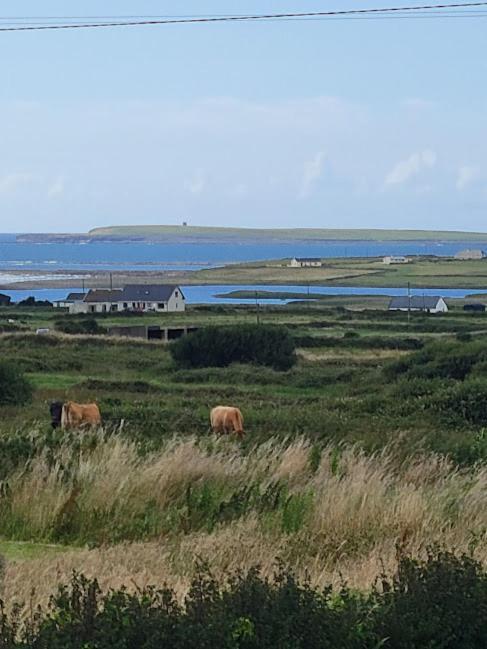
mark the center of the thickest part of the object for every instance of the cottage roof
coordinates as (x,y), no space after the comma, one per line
(4,298)
(307,258)
(415,302)
(74,297)
(147,292)
(103,295)
(133,293)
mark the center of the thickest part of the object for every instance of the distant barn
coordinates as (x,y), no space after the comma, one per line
(426,303)
(470,254)
(395,259)
(306,262)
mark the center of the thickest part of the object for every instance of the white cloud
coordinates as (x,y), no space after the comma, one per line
(10,183)
(56,188)
(466,175)
(412,166)
(313,170)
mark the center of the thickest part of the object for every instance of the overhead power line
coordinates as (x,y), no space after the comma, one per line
(302,15)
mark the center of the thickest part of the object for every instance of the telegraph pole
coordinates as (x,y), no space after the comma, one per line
(409,303)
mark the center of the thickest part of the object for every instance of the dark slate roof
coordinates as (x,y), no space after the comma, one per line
(148,292)
(307,258)
(4,298)
(74,297)
(415,302)
(104,295)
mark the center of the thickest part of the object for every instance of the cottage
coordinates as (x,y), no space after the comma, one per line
(133,297)
(427,303)
(395,259)
(305,262)
(4,300)
(470,254)
(70,299)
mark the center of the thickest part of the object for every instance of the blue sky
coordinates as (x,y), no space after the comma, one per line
(318,124)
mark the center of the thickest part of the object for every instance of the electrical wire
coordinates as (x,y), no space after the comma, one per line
(371,13)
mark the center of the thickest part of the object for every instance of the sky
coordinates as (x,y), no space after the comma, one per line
(351,123)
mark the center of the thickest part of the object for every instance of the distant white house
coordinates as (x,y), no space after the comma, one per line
(471,254)
(133,297)
(70,299)
(306,262)
(427,303)
(395,259)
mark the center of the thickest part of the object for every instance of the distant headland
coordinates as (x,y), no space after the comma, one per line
(187,233)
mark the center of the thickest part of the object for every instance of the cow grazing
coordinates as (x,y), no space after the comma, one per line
(227,419)
(74,415)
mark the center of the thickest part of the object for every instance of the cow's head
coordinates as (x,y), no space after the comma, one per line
(56,410)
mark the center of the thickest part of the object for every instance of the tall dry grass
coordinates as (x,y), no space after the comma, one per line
(341,515)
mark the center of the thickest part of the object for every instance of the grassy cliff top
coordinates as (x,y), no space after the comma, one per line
(168,231)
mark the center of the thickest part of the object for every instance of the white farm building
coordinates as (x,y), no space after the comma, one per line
(427,303)
(470,254)
(306,262)
(160,298)
(395,259)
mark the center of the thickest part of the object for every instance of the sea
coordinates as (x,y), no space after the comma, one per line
(71,259)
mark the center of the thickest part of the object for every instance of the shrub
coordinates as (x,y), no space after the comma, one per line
(14,387)
(439,603)
(466,400)
(32,302)
(221,346)
(81,326)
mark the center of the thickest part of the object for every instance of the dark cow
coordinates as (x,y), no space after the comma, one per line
(56,410)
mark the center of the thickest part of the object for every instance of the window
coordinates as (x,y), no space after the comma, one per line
(104,308)
(125,305)
(176,293)
(114,307)
(161,305)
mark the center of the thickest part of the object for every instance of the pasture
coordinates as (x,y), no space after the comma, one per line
(375,437)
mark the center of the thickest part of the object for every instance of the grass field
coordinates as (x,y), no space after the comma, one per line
(421,272)
(375,437)
(157,232)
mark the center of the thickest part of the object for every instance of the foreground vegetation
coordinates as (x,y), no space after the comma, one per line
(440,602)
(371,446)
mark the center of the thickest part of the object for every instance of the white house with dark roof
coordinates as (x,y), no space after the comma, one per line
(427,303)
(160,298)
(70,299)
(306,262)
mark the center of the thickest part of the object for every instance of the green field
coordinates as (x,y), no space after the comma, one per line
(421,272)
(157,232)
(376,434)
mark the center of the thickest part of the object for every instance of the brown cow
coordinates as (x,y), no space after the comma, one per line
(75,415)
(225,419)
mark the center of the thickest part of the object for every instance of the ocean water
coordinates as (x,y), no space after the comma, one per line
(208,294)
(166,256)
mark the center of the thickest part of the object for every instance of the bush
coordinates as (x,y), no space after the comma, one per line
(32,302)
(82,326)
(439,603)
(465,400)
(220,346)
(14,387)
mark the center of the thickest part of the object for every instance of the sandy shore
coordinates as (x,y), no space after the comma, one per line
(20,280)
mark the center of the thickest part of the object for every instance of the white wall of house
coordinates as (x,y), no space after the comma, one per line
(295,263)
(176,303)
(441,307)
(395,259)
